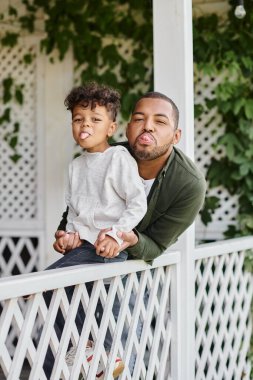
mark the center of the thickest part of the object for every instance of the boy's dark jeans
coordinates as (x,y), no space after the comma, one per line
(85,254)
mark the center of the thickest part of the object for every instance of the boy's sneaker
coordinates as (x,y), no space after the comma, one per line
(118,368)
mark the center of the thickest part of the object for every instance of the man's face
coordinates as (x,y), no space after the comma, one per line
(151,131)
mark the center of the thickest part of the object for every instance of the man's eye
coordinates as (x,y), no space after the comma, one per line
(96,119)
(160,122)
(138,120)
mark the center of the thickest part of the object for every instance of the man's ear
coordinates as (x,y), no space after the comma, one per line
(112,129)
(177,136)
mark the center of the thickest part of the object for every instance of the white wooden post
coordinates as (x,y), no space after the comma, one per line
(59,144)
(173,75)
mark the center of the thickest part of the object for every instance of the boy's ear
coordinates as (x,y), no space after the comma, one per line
(112,129)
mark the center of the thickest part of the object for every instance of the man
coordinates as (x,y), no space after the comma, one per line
(175,191)
(175,188)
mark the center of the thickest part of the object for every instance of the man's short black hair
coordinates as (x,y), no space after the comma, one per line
(93,94)
(159,95)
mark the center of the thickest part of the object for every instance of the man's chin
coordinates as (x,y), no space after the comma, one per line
(143,155)
(149,153)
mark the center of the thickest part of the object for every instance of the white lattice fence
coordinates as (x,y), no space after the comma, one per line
(208,128)
(21,221)
(149,350)
(20,254)
(223,297)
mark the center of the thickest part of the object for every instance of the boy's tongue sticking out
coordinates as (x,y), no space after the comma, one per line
(84,135)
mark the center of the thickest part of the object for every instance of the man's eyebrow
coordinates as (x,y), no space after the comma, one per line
(161,115)
(157,114)
(138,113)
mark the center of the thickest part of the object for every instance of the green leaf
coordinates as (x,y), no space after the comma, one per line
(15,157)
(198,110)
(16,127)
(19,95)
(13,142)
(5,116)
(248,108)
(239,103)
(28,58)
(245,168)
(211,204)
(7,85)
(10,39)
(12,11)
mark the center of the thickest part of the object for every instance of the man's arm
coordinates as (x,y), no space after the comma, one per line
(166,229)
(63,222)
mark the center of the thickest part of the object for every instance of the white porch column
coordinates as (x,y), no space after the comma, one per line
(173,73)
(59,145)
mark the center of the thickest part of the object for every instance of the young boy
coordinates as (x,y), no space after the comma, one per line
(104,190)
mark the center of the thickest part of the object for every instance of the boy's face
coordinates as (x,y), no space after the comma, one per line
(92,127)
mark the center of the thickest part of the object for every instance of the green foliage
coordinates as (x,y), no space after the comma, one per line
(226,48)
(206,214)
(10,91)
(97,33)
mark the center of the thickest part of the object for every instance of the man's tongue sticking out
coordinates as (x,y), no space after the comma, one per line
(146,138)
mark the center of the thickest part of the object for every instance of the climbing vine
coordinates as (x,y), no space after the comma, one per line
(226,48)
(96,33)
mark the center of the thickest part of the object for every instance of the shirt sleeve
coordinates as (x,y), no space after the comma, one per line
(166,229)
(71,213)
(129,186)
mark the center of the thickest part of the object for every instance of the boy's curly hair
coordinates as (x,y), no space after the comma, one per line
(92,94)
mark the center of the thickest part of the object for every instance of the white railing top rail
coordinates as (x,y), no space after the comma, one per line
(21,285)
(222,247)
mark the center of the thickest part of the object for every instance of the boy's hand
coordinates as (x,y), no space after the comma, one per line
(108,247)
(65,242)
(101,236)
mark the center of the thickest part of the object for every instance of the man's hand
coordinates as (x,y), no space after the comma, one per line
(129,240)
(108,248)
(65,242)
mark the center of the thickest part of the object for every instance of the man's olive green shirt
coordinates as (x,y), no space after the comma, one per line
(174,201)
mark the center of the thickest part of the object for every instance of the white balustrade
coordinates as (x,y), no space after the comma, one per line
(27,326)
(223,294)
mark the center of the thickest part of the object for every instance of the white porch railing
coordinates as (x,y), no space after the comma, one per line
(222,302)
(153,349)
(222,315)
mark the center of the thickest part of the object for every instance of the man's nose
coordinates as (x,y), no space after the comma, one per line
(148,126)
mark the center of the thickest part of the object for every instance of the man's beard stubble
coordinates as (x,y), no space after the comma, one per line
(152,155)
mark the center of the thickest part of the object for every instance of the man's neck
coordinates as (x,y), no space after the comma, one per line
(151,169)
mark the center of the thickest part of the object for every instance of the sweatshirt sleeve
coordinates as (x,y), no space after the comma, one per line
(71,213)
(129,186)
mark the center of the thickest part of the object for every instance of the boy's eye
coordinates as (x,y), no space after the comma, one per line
(77,121)
(96,119)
